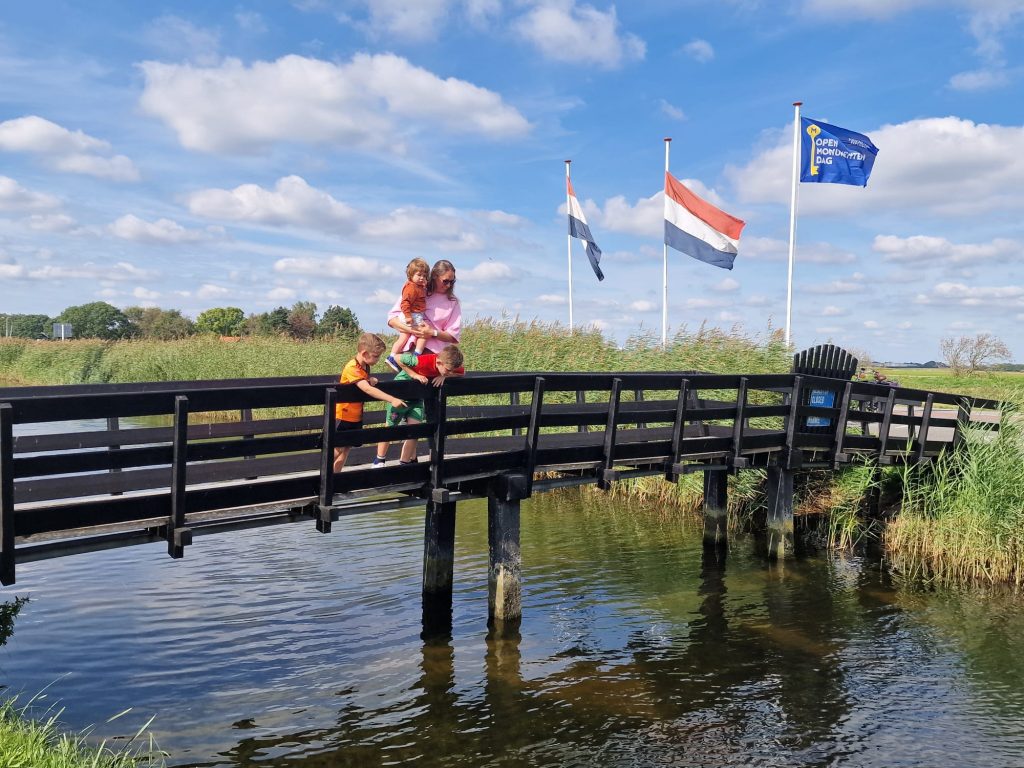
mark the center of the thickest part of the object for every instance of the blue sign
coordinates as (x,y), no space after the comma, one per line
(833,155)
(824,398)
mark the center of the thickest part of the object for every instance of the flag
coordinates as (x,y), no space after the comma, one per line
(833,155)
(697,228)
(578,228)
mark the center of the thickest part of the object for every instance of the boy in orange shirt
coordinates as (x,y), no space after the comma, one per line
(413,305)
(349,416)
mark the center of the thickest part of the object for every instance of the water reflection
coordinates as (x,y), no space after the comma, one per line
(637,647)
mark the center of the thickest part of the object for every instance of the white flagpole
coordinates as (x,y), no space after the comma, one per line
(792,219)
(568,242)
(664,274)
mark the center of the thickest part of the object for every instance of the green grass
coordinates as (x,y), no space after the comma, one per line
(962,519)
(28,741)
(995,385)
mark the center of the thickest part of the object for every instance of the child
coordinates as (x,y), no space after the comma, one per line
(413,304)
(422,368)
(349,416)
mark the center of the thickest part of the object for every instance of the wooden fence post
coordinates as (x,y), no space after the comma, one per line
(780,512)
(324,512)
(439,548)
(504,579)
(178,536)
(607,474)
(716,507)
(7,555)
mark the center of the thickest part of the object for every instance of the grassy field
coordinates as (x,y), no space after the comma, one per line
(994,385)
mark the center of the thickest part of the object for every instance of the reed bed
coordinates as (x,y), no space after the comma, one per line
(962,518)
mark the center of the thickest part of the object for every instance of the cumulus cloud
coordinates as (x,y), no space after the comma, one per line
(442,227)
(120,272)
(488,272)
(351,268)
(726,285)
(943,165)
(51,222)
(670,110)
(292,202)
(699,50)
(159,232)
(642,305)
(855,284)
(14,197)
(565,31)
(552,299)
(211,291)
(977,296)
(938,250)
(64,150)
(381,296)
(371,102)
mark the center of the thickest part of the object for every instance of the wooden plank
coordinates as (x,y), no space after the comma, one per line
(737,427)
(533,432)
(678,430)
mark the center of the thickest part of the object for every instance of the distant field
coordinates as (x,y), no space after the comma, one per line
(996,385)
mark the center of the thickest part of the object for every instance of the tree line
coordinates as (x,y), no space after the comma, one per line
(100,320)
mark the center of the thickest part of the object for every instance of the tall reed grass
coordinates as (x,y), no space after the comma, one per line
(962,518)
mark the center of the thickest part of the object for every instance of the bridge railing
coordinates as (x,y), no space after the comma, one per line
(162,480)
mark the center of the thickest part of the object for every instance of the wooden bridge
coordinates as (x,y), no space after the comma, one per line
(171,461)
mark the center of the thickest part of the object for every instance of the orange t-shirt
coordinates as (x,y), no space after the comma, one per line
(350,374)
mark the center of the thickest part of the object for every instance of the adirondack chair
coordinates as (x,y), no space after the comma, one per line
(829,361)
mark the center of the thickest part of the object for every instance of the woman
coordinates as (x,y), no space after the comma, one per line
(443,312)
(444,318)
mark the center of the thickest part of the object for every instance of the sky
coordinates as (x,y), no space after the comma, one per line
(254,154)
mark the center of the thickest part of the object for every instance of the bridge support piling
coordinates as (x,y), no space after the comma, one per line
(504,580)
(716,501)
(780,513)
(439,548)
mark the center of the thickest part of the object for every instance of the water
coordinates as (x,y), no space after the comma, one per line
(284,647)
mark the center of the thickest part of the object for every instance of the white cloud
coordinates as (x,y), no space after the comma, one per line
(381,296)
(565,31)
(552,299)
(671,110)
(726,285)
(855,284)
(121,271)
(68,151)
(161,231)
(370,102)
(945,165)
(51,222)
(978,296)
(488,272)
(145,294)
(180,38)
(352,268)
(699,50)
(643,305)
(281,294)
(292,203)
(979,80)
(832,311)
(211,291)
(14,197)
(938,250)
(772,249)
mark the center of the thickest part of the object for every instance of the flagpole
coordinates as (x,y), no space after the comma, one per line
(792,219)
(664,274)
(568,241)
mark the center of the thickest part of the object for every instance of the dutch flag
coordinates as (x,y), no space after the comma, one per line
(578,228)
(697,228)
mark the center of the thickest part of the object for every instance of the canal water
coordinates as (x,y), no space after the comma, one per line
(284,647)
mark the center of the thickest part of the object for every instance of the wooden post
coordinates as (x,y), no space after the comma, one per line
(504,578)
(513,398)
(607,474)
(113,425)
(737,425)
(922,435)
(844,413)
(883,431)
(581,399)
(437,446)
(716,503)
(678,432)
(638,397)
(323,520)
(780,513)
(963,420)
(533,432)
(178,536)
(438,548)
(245,416)
(7,557)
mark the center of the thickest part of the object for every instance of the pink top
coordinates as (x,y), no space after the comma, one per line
(441,313)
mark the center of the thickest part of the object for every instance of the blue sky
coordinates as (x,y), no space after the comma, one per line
(254,154)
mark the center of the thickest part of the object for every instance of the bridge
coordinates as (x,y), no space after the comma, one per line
(171,461)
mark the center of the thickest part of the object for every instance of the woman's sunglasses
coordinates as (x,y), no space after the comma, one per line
(449,282)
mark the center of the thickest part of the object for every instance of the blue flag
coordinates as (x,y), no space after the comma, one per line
(833,155)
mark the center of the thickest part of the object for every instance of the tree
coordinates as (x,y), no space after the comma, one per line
(302,320)
(967,355)
(337,320)
(97,320)
(28,326)
(267,323)
(156,323)
(222,321)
